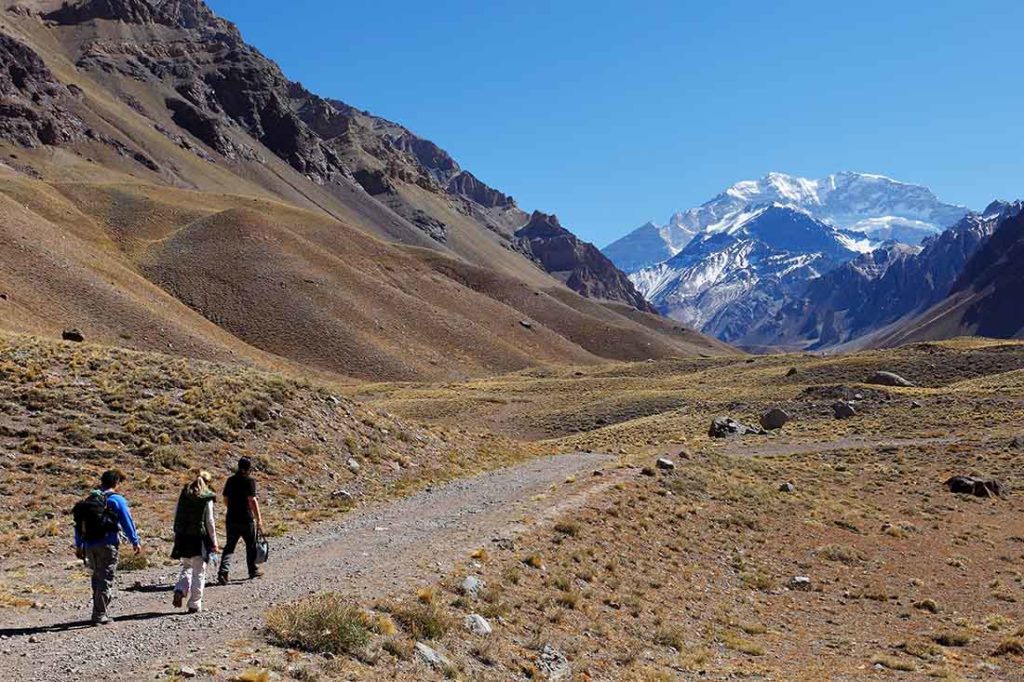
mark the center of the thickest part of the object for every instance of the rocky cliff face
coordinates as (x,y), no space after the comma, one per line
(880,288)
(33,104)
(579,264)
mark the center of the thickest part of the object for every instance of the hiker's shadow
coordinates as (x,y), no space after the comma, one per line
(80,624)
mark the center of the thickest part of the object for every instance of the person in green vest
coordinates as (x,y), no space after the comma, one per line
(195,540)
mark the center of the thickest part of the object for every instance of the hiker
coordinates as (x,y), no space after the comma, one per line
(99,520)
(244,520)
(195,540)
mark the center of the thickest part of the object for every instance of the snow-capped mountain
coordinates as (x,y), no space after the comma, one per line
(878,207)
(741,269)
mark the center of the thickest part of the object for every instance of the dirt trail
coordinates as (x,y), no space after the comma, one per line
(373,552)
(752,448)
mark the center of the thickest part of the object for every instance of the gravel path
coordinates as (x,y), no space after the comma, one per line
(371,553)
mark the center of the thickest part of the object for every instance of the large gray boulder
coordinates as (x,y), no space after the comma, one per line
(887,379)
(979,487)
(724,427)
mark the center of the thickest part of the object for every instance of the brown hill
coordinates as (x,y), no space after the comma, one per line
(163,186)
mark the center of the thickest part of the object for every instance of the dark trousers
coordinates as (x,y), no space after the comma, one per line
(103,562)
(240,531)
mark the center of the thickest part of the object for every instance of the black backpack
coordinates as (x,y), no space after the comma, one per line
(95,518)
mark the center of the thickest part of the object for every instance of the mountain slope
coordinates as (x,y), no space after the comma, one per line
(878,289)
(985,298)
(874,205)
(739,271)
(162,179)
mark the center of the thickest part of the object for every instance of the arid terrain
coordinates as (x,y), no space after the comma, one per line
(607,565)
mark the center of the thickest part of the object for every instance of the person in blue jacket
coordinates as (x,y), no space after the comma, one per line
(101,555)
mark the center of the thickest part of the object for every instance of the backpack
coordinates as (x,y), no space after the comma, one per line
(95,518)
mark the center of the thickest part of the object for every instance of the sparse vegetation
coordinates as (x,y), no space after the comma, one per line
(323,624)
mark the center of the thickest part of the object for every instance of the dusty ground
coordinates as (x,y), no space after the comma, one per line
(688,574)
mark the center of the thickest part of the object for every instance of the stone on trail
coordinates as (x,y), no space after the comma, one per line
(844,410)
(431,657)
(787,488)
(774,418)
(723,427)
(353,465)
(187,671)
(72,335)
(887,379)
(979,487)
(478,625)
(665,464)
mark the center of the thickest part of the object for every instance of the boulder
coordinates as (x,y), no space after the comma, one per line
(433,658)
(887,379)
(774,418)
(478,625)
(665,464)
(979,487)
(73,335)
(472,586)
(553,664)
(353,465)
(844,410)
(723,427)
(800,582)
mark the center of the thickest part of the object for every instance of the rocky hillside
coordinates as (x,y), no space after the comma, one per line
(204,203)
(985,298)
(577,263)
(879,288)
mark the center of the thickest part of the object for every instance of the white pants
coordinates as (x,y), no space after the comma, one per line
(192,581)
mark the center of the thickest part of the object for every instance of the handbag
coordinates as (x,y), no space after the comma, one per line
(262,549)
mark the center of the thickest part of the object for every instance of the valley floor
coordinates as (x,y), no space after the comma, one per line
(864,566)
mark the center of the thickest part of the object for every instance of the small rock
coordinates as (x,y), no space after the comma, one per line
(793,371)
(478,625)
(916,404)
(1017,443)
(844,410)
(800,582)
(787,488)
(553,664)
(472,586)
(665,464)
(73,335)
(187,671)
(431,657)
(33,640)
(887,379)
(353,465)
(343,495)
(526,324)
(774,418)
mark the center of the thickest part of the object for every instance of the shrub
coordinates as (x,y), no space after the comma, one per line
(321,624)
(423,621)
(956,639)
(1010,647)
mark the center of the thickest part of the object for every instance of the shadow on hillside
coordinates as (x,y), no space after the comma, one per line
(80,624)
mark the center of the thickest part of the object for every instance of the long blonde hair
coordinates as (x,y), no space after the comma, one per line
(200,487)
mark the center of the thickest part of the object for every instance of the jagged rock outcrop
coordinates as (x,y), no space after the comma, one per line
(579,264)
(187,14)
(32,101)
(467,185)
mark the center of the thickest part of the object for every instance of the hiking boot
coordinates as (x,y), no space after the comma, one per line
(192,610)
(101,620)
(256,574)
(179,597)
(222,578)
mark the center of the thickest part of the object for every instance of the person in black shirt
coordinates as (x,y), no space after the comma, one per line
(243,520)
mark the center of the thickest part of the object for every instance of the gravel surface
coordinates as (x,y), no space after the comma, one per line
(371,553)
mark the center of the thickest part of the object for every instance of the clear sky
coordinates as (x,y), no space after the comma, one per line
(613,113)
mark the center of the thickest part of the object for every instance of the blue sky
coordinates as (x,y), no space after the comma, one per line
(612,113)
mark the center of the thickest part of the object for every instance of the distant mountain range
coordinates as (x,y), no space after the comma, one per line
(787,262)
